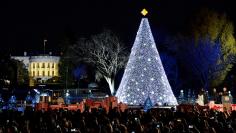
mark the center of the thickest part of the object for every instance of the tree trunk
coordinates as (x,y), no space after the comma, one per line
(111,84)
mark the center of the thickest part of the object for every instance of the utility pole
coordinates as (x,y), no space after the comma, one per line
(66,76)
(44,43)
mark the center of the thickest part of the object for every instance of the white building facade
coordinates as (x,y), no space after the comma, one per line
(42,67)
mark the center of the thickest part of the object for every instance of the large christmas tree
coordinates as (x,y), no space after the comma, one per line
(144,75)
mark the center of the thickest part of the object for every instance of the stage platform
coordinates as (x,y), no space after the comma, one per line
(140,107)
(219,107)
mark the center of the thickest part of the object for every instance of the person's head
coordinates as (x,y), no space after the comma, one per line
(156,130)
(107,128)
(116,121)
(123,128)
(139,128)
(95,121)
(224,89)
(214,89)
(166,129)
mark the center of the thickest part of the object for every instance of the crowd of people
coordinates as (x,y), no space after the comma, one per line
(156,120)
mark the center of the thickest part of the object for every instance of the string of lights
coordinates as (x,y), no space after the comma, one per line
(144,75)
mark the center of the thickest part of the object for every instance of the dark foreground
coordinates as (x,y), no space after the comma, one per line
(135,120)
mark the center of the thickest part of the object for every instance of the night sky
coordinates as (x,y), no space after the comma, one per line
(26,23)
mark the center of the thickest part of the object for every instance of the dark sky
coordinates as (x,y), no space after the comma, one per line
(26,23)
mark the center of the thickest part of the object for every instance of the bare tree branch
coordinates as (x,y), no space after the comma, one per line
(105,52)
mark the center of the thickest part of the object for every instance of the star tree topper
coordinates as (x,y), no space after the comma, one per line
(144,12)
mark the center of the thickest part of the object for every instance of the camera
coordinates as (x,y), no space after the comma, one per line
(73,130)
(190,126)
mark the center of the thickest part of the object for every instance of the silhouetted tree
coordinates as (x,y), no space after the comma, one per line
(105,52)
(219,30)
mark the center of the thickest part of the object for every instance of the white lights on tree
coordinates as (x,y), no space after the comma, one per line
(148,69)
